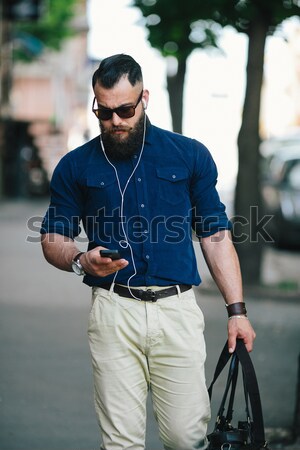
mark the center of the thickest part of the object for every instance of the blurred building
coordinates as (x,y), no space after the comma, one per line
(48,107)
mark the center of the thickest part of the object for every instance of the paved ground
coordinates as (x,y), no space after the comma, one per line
(45,378)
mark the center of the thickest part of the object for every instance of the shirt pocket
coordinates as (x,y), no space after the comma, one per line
(102,190)
(172,184)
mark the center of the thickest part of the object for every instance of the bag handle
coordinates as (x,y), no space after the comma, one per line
(223,360)
(231,383)
(234,378)
(250,386)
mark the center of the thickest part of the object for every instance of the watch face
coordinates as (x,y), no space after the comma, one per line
(77,269)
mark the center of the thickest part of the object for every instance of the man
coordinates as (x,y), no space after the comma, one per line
(140,190)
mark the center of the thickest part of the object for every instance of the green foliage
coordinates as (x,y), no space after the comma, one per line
(47,32)
(174,26)
(177,27)
(241,13)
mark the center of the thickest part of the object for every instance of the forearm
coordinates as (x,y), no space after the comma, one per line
(223,263)
(59,250)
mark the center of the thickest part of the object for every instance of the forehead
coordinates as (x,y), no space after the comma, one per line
(121,93)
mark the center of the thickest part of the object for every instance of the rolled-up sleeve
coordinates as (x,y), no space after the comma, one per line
(209,214)
(65,210)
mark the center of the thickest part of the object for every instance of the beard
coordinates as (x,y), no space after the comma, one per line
(118,149)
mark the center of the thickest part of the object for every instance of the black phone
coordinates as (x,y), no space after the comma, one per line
(113,254)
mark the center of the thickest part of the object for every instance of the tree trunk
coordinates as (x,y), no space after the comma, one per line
(175,85)
(248,231)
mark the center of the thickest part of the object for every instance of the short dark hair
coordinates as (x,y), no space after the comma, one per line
(114,67)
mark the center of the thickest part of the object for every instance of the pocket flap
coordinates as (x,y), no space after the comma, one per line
(173,174)
(100,180)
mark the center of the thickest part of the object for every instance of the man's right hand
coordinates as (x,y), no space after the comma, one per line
(95,265)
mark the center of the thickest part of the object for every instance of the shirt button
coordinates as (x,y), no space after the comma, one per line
(147,257)
(135,156)
(139,179)
(142,205)
(102,183)
(173,176)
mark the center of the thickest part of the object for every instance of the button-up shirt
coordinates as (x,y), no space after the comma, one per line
(149,207)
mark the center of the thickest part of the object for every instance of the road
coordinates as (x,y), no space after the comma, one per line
(46,398)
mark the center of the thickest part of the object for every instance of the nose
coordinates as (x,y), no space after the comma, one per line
(116,120)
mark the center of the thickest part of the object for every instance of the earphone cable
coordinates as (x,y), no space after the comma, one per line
(122,193)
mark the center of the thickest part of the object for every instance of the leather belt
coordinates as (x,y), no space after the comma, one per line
(147,295)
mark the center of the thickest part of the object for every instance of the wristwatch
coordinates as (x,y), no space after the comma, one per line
(76,266)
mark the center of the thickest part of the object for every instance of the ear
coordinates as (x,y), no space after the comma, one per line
(145,98)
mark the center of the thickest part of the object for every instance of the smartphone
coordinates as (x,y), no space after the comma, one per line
(113,254)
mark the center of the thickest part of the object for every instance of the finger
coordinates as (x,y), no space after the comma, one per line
(248,341)
(114,266)
(231,343)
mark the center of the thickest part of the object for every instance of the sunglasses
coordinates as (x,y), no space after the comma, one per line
(124,112)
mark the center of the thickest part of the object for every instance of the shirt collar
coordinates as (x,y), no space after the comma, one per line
(149,131)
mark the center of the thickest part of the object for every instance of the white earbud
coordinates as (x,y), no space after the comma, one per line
(144,104)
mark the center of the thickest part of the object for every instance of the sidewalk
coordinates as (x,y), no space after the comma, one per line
(46,398)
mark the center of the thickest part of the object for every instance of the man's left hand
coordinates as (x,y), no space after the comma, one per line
(240,327)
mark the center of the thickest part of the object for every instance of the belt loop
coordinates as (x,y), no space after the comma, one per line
(178,291)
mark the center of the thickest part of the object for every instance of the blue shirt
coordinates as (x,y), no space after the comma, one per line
(171,193)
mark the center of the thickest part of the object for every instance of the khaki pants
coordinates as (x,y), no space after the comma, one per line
(139,346)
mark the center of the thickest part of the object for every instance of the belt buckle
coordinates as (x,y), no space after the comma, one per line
(150,295)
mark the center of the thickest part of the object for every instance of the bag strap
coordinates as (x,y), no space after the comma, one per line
(246,395)
(250,386)
(229,414)
(231,382)
(223,360)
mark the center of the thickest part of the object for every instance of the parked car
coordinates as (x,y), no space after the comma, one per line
(281,193)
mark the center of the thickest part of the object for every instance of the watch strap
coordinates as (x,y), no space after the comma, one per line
(76,257)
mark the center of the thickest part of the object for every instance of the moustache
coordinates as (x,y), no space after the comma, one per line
(114,129)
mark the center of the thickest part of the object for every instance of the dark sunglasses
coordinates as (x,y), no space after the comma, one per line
(124,112)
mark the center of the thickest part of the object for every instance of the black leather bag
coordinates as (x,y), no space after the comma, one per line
(249,433)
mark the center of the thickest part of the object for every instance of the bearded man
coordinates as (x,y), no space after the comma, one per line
(139,191)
